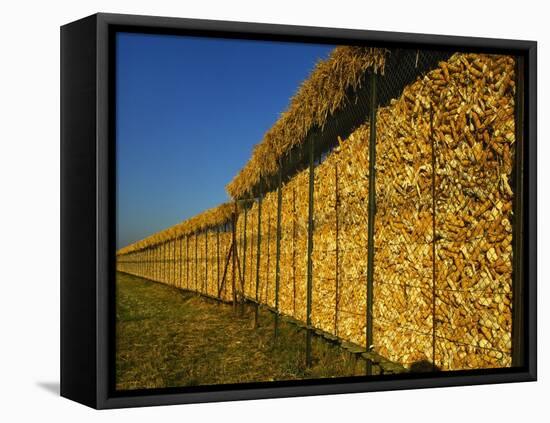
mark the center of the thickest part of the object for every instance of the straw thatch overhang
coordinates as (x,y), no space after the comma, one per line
(208,219)
(332,103)
(318,98)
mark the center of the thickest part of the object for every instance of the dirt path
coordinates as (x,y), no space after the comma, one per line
(168,338)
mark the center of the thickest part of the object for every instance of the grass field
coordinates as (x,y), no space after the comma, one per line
(169,338)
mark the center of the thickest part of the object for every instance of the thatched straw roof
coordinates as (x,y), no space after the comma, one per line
(320,96)
(208,218)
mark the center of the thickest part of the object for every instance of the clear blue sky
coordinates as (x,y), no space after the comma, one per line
(189,111)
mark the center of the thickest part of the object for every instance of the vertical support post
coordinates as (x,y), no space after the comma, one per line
(164,248)
(206,261)
(258,248)
(161,262)
(174,280)
(518,318)
(218,259)
(180,272)
(310,250)
(196,261)
(371,211)
(337,272)
(244,245)
(157,263)
(227,226)
(294,251)
(251,259)
(278,247)
(234,255)
(268,259)
(187,261)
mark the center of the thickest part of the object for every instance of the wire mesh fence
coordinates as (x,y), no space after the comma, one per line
(441,237)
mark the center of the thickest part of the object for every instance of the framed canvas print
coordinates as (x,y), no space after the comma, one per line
(255,211)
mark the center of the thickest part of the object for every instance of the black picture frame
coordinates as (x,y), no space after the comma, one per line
(88,215)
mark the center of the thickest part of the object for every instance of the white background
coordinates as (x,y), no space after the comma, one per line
(29,211)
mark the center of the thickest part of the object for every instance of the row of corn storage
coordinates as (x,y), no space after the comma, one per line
(442,286)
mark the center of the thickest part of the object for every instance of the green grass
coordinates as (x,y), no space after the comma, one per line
(169,338)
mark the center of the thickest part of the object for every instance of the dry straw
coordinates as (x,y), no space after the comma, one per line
(209,218)
(320,96)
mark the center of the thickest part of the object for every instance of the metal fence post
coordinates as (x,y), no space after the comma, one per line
(258,251)
(268,259)
(196,261)
(174,263)
(206,261)
(278,247)
(187,261)
(294,251)
(371,212)
(234,256)
(310,250)
(434,274)
(337,272)
(156,258)
(180,257)
(244,246)
(164,267)
(218,258)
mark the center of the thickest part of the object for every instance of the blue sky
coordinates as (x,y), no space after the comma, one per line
(189,111)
